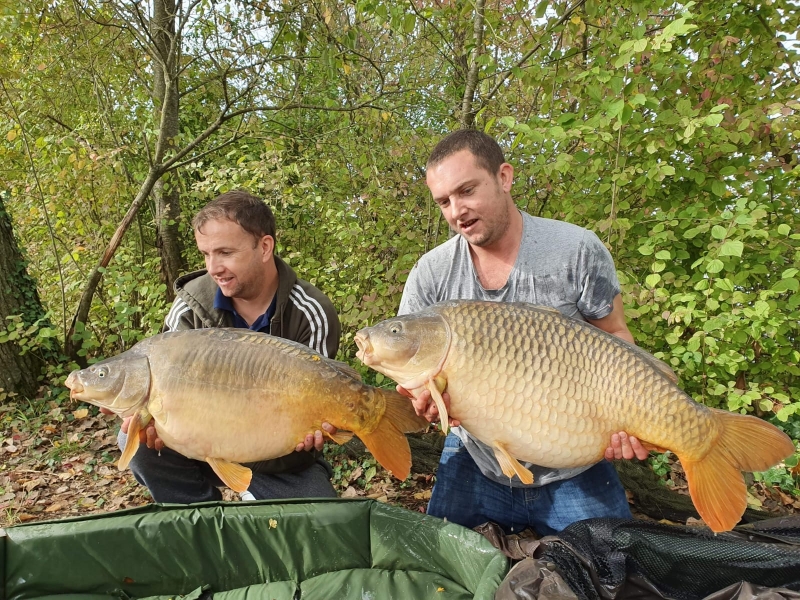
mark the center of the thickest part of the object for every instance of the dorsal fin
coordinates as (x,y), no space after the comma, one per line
(346,369)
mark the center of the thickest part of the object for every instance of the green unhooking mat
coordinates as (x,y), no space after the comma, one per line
(277,550)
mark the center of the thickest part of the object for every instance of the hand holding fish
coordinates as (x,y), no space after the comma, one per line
(425,407)
(625,446)
(317,440)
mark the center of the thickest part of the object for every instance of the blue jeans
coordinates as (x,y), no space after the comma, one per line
(463,495)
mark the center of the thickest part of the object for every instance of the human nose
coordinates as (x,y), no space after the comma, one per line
(457,209)
(213,266)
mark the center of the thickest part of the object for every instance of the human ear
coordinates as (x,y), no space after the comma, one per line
(506,176)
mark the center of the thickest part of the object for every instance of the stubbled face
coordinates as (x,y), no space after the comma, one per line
(234,258)
(409,349)
(118,384)
(477,204)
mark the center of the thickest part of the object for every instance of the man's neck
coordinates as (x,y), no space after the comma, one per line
(493,263)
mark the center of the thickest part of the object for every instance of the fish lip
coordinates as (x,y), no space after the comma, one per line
(74,385)
(364,346)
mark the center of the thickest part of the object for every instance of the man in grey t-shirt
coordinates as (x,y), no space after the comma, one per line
(504,255)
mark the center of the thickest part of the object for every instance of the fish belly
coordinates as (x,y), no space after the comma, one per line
(238,428)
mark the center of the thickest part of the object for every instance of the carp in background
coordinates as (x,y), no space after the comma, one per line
(543,388)
(230,396)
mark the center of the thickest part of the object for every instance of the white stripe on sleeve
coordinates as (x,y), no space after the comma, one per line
(316,316)
(179,307)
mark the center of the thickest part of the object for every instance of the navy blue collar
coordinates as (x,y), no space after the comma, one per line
(222,302)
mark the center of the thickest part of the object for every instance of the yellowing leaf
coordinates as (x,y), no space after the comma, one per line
(41,66)
(81,413)
(11,135)
(273,523)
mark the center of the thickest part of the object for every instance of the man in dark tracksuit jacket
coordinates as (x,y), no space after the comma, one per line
(248,286)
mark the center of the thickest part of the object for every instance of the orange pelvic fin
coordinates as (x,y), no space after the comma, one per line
(435,387)
(340,437)
(510,465)
(715,481)
(387,441)
(653,447)
(138,422)
(234,475)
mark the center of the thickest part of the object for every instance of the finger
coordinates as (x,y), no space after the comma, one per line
(159,444)
(151,437)
(610,453)
(105,411)
(403,391)
(422,404)
(454,422)
(329,428)
(431,413)
(640,451)
(126,422)
(319,441)
(300,447)
(308,443)
(625,442)
(616,446)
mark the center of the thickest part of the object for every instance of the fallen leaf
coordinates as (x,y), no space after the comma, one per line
(54,507)
(22,517)
(33,484)
(350,492)
(692,522)
(753,501)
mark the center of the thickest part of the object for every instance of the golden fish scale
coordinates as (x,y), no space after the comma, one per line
(553,389)
(235,394)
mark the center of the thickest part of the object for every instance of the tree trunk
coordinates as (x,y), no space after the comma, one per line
(471,83)
(19,373)
(82,314)
(165,99)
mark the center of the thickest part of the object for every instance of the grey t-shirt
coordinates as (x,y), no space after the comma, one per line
(559,265)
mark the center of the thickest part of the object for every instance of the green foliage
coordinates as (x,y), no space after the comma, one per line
(349,471)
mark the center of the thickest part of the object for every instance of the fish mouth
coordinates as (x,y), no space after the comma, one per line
(74,385)
(364,347)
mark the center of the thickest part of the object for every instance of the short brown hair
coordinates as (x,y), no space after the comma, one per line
(483,147)
(250,212)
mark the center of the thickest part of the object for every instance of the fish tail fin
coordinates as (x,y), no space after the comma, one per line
(715,481)
(387,441)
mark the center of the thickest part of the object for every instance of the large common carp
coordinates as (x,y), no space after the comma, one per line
(230,396)
(540,387)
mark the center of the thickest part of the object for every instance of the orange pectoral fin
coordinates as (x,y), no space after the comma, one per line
(234,475)
(132,445)
(510,465)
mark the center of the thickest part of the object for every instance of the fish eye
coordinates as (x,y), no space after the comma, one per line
(396,328)
(101,372)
